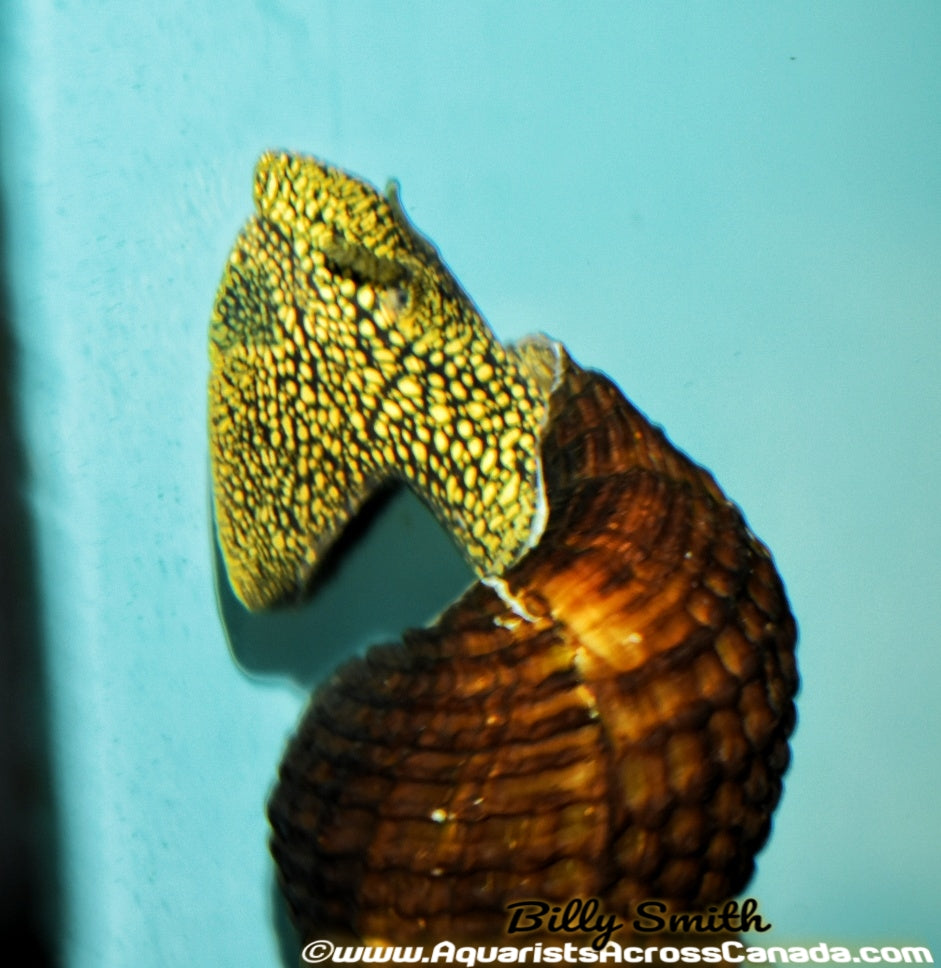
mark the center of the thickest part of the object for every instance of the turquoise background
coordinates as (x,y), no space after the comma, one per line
(733,208)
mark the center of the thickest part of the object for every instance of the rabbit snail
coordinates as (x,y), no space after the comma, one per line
(605,713)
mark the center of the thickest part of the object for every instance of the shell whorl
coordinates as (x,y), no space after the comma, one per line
(604,714)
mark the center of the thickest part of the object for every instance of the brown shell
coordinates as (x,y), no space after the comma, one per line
(610,722)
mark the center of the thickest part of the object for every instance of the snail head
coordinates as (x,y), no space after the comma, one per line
(345,355)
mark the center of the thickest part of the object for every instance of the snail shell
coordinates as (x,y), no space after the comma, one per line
(605,713)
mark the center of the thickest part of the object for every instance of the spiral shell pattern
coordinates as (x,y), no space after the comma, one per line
(605,714)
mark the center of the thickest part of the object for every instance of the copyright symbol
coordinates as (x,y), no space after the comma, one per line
(317,951)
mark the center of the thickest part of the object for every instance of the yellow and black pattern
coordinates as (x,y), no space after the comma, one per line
(345,354)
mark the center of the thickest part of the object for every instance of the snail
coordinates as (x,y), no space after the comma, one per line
(605,713)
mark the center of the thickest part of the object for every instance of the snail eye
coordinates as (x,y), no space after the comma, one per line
(397,299)
(396,284)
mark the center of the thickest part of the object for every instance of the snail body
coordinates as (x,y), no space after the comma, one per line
(604,714)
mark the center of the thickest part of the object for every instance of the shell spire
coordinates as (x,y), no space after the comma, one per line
(605,714)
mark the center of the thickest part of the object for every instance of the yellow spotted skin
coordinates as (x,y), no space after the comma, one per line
(344,355)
